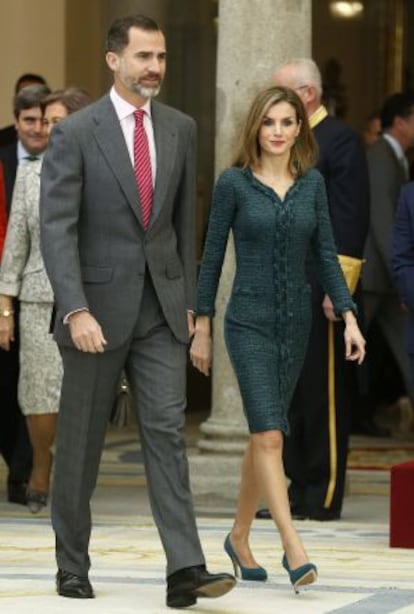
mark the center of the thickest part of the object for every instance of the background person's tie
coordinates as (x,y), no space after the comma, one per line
(142,167)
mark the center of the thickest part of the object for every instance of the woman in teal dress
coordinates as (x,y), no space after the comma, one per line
(275,204)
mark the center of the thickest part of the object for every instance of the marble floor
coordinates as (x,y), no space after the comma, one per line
(358,572)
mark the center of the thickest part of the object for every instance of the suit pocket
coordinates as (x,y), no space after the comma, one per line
(96,274)
(173,270)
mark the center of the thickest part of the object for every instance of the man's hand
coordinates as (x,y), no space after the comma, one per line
(86,333)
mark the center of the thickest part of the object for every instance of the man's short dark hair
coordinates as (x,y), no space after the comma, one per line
(118,35)
(29,97)
(397,105)
(30,78)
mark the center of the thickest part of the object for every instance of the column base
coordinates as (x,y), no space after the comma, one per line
(215,481)
(216,465)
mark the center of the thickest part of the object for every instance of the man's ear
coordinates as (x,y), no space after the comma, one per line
(112,59)
(310,94)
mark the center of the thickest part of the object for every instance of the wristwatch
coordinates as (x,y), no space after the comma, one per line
(6,313)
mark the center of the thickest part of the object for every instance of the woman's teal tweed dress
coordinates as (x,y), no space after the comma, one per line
(268,315)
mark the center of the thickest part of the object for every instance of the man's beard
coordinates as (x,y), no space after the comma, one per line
(146,92)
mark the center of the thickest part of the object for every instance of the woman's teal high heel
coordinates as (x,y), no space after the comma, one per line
(305,574)
(257,574)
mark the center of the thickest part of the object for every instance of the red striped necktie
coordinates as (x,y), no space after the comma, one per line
(142,167)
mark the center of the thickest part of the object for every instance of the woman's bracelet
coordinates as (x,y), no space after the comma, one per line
(6,313)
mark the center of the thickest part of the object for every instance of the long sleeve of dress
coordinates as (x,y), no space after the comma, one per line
(17,243)
(325,253)
(220,222)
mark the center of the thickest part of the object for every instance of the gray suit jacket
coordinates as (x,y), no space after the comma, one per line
(22,270)
(94,246)
(386,179)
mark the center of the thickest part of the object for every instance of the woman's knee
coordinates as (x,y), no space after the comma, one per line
(268,441)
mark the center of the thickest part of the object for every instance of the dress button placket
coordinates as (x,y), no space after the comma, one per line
(284,330)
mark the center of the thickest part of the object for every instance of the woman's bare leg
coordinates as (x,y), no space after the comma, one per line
(245,512)
(42,428)
(266,450)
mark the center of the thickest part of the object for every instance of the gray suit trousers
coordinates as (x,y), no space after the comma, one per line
(155,363)
(386,309)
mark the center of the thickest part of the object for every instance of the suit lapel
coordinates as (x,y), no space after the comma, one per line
(165,137)
(396,162)
(111,141)
(110,138)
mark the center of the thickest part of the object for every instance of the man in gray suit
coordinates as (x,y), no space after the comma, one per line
(124,287)
(388,171)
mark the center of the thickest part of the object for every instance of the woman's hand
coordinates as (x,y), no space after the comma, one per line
(200,350)
(6,331)
(6,322)
(328,309)
(354,341)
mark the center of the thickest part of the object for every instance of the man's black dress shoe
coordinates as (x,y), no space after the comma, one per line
(324,515)
(263,514)
(186,585)
(70,585)
(297,514)
(371,429)
(16,492)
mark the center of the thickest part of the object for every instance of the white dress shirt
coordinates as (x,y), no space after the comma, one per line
(399,152)
(125,113)
(23,154)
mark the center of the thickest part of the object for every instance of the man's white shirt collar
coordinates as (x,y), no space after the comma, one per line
(398,150)
(124,108)
(125,113)
(23,154)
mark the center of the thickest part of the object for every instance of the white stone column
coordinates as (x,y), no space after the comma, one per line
(254,37)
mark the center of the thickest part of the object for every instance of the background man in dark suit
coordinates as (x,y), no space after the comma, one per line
(388,172)
(316,452)
(122,267)
(403,263)
(8,134)
(14,441)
